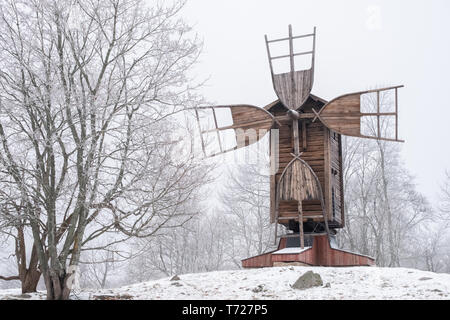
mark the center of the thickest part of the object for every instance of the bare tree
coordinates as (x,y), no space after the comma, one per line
(238,227)
(444,206)
(85,88)
(200,246)
(432,247)
(245,205)
(96,267)
(358,190)
(13,224)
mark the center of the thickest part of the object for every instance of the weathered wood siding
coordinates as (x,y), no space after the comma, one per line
(322,150)
(313,155)
(321,254)
(263,260)
(327,256)
(335,177)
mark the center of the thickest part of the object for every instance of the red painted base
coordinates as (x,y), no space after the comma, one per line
(320,254)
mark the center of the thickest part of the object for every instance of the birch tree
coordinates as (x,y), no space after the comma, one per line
(86,87)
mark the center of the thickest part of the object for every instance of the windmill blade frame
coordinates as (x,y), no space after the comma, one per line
(247,120)
(343,114)
(293,87)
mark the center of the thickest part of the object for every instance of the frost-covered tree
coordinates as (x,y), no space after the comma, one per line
(444,206)
(384,211)
(199,246)
(245,205)
(236,227)
(86,88)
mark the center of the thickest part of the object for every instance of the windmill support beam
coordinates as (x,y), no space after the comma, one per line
(304,136)
(300,225)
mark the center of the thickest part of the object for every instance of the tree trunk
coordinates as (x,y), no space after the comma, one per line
(393,257)
(57,287)
(29,277)
(30,280)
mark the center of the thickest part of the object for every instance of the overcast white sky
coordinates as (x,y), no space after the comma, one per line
(360,44)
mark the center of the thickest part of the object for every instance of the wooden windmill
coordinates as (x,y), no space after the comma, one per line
(306,193)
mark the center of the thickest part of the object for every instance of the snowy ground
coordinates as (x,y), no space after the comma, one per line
(275,283)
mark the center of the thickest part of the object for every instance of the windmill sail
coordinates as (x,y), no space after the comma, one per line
(293,87)
(360,114)
(249,124)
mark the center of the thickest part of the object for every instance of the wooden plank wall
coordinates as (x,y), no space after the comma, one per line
(313,155)
(327,256)
(335,176)
(263,260)
(321,254)
(341,187)
(322,153)
(307,257)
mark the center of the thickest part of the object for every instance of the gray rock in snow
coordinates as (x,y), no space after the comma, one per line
(308,280)
(259,288)
(175,278)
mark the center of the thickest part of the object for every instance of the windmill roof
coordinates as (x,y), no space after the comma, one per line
(311,96)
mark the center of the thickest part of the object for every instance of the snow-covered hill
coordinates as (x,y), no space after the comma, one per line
(275,283)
